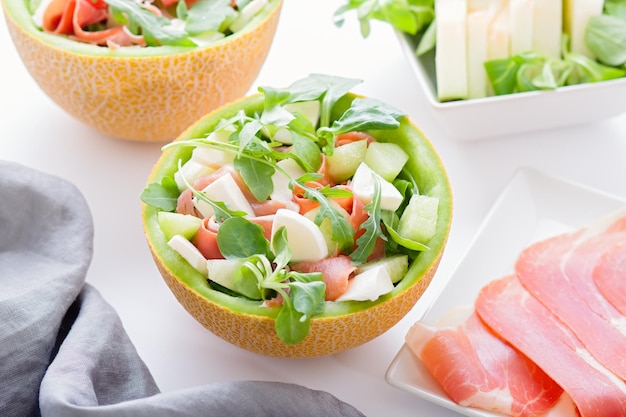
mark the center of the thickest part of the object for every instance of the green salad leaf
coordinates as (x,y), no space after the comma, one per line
(408,16)
(156,30)
(372,230)
(163,196)
(605,36)
(240,238)
(208,16)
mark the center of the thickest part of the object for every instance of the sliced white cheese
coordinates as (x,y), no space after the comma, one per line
(477,29)
(305,239)
(223,189)
(189,252)
(548,27)
(363,187)
(189,172)
(281,181)
(368,285)
(499,33)
(521,22)
(576,15)
(214,157)
(248,12)
(451,51)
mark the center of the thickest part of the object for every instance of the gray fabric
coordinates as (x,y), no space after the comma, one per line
(63,349)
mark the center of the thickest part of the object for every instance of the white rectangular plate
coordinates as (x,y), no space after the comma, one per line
(532,207)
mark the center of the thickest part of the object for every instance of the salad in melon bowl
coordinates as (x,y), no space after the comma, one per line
(301,221)
(142,70)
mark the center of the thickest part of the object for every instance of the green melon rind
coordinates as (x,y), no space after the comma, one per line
(17,10)
(424,163)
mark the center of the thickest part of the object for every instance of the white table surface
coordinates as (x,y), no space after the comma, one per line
(111,174)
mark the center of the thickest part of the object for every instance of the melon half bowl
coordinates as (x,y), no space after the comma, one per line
(146,94)
(341,325)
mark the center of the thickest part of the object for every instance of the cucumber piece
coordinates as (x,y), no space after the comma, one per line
(396,265)
(345,160)
(386,159)
(173,224)
(419,219)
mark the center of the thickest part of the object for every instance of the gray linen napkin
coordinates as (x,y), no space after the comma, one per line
(63,349)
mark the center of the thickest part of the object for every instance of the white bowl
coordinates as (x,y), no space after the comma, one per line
(490,117)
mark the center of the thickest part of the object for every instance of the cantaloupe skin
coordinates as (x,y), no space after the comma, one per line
(142,94)
(342,326)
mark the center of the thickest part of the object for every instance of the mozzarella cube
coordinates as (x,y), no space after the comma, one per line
(223,189)
(189,252)
(305,238)
(281,190)
(368,285)
(363,187)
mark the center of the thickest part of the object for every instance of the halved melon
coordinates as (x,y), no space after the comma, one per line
(342,325)
(145,94)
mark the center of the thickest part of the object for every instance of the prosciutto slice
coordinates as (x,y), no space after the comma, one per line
(478,369)
(69,17)
(609,275)
(558,273)
(516,316)
(336,270)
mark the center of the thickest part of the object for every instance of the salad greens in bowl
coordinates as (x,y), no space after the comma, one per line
(300,221)
(492,68)
(142,70)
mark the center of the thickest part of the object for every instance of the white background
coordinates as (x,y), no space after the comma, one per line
(111,174)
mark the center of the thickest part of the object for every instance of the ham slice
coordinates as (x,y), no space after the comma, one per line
(558,273)
(336,270)
(205,239)
(517,317)
(69,17)
(478,369)
(609,275)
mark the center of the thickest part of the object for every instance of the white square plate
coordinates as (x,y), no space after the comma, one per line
(532,207)
(489,117)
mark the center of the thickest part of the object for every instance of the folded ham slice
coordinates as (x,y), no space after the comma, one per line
(558,273)
(516,316)
(477,369)
(609,275)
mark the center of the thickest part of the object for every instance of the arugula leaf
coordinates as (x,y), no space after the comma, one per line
(407,243)
(240,238)
(257,176)
(342,232)
(372,230)
(208,16)
(163,196)
(156,30)
(307,150)
(365,114)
